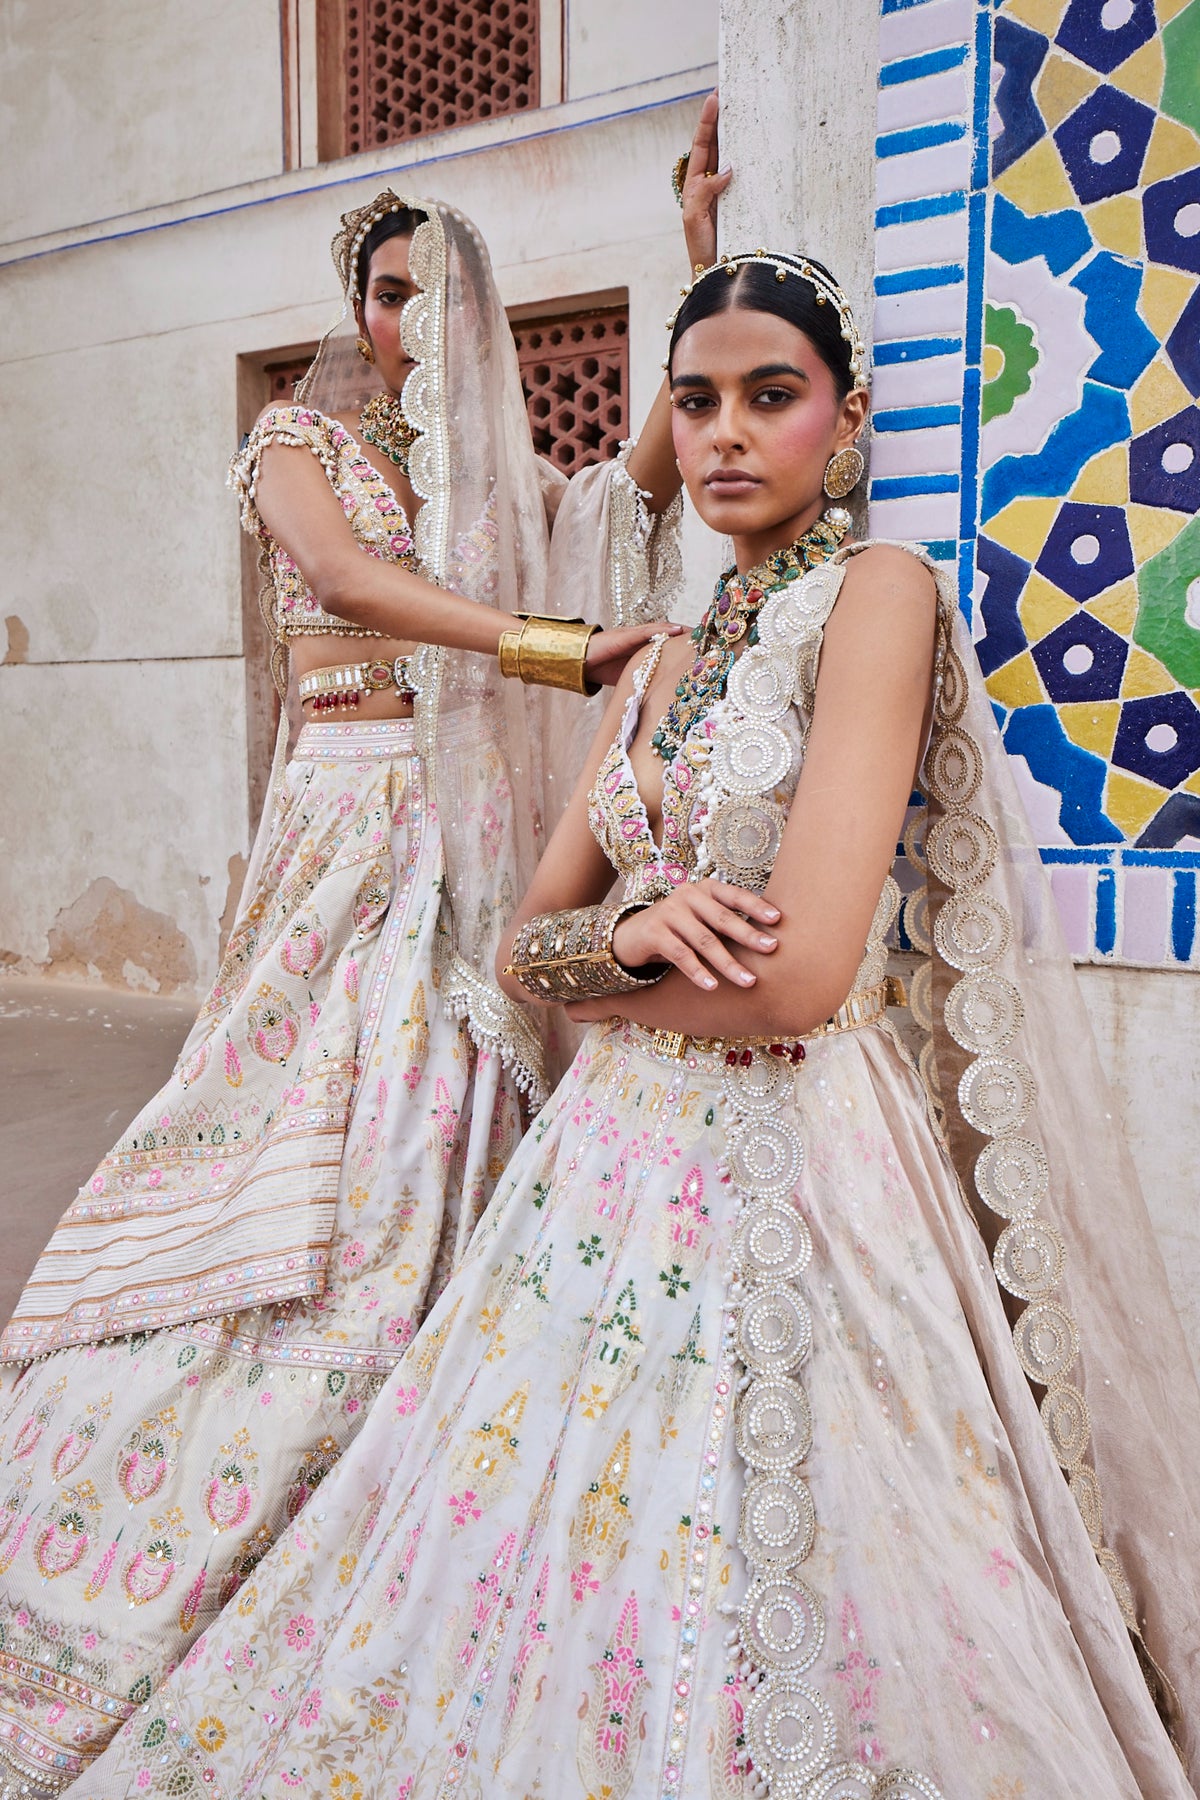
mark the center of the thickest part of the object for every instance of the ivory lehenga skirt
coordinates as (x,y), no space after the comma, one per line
(143,1478)
(524,1577)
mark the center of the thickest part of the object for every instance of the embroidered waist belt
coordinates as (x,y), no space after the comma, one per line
(348,683)
(865,1007)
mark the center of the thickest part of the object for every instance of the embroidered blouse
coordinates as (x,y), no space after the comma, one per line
(376,517)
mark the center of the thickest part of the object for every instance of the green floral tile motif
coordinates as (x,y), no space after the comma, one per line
(1168,619)
(1008,340)
(1181,85)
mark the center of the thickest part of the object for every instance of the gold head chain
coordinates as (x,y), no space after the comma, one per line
(826,289)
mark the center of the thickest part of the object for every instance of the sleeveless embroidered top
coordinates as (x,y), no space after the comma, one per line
(376,517)
(727,792)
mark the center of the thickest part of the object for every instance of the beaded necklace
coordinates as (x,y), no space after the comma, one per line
(385,426)
(732,614)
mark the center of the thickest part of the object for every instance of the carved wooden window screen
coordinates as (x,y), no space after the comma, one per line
(281,379)
(575,372)
(416,66)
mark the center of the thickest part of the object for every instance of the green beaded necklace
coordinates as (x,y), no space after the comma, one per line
(732,615)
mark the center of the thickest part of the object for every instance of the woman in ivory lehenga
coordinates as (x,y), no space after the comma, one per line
(217,1310)
(805,1420)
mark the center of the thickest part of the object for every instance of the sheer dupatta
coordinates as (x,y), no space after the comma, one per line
(1010,1062)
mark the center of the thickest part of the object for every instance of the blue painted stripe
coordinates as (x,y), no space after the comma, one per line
(919,137)
(1183,915)
(901,350)
(916,418)
(1106,912)
(911,281)
(941,549)
(891,6)
(1161,859)
(914,68)
(904,487)
(910,212)
(977,222)
(1097,856)
(983,95)
(409,171)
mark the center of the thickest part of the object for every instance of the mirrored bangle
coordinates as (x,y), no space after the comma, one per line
(569,956)
(548,652)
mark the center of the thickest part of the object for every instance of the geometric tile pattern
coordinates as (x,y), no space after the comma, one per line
(1037,373)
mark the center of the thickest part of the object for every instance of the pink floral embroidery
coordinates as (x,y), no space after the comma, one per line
(233,1067)
(354,1255)
(299,1632)
(860,1676)
(1000,1568)
(964,1659)
(399,1330)
(687,1211)
(584,1581)
(407,1401)
(465,1508)
(310,1712)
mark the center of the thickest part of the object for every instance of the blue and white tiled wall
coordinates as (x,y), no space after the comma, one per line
(1037,365)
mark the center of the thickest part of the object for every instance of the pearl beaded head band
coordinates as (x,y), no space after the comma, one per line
(826,289)
(354,227)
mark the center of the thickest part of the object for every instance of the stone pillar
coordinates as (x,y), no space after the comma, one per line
(798,83)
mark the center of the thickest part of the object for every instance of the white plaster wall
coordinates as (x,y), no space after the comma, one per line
(1147,1024)
(608,44)
(119,545)
(134,771)
(106,108)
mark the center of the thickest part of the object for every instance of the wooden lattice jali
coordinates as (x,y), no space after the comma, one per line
(575,371)
(416,66)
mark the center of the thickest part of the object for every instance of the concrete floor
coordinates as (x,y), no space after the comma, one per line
(76,1063)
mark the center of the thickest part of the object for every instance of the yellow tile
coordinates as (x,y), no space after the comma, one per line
(1092,724)
(1172,149)
(1116,224)
(1117,607)
(1105,480)
(1168,9)
(1043,606)
(1017,683)
(1037,181)
(1061,85)
(1158,395)
(1044,15)
(1022,526)
(1192,784)
(1144,674)
(1151,529)
(1130,802)
(1142,74)
(1165,293)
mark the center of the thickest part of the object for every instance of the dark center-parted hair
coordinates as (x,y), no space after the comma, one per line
(754,287)
(393,224)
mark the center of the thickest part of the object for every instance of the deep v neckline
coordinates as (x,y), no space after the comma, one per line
(380,477)
(631,718)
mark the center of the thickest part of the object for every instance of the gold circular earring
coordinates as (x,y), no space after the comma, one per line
(365,351)
(843,471)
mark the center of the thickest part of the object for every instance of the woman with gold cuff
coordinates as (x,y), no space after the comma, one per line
(216,1312)
(719,1470)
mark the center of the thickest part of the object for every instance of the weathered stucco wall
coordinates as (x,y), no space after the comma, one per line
(110,108)
(160,240)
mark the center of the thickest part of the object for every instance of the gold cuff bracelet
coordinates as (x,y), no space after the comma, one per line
(548,653)
(569,956)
